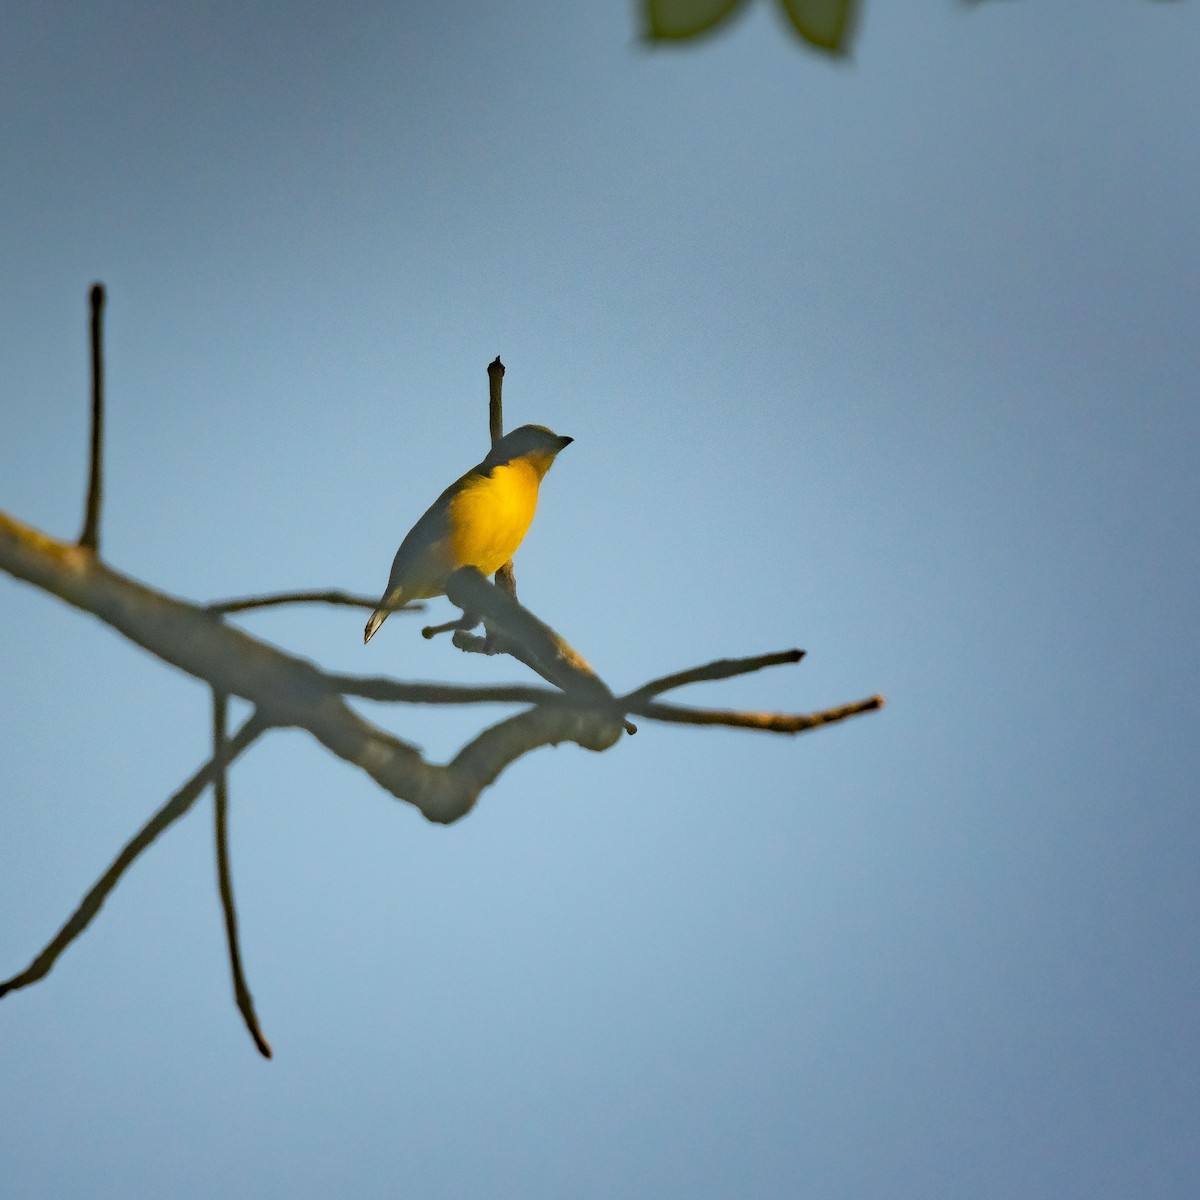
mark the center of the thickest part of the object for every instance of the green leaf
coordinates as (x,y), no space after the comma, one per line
(826,24)
(673,20)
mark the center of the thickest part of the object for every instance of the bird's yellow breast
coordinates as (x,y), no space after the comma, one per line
(491,513)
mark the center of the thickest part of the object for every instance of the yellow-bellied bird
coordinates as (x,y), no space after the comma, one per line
(478,521)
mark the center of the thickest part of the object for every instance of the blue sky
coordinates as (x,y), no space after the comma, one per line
(892,359)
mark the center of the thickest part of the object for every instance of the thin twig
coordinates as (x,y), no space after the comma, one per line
(89,539)
(495,399)
(506,577)
(722,668)
(345,599)
(241,992)
(166,816)
(392,690)
(460,623)
(678,714)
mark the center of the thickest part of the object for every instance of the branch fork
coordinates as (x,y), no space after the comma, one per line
(286,690)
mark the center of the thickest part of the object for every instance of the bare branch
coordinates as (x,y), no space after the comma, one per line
(335,597)
(514,630)
(678,714)
(638,702)
(241,992)
(287,690)
(526,637)
(290,691)
(722,668)
(393,690)
(495,399)
(483,758)
(89,538)
(506,577)
(166,816)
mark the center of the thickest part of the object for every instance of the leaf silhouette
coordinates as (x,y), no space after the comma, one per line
(676,20)
(825,24)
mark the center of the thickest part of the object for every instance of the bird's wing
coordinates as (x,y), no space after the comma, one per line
(426,555)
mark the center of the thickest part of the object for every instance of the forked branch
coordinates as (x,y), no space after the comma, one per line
(289,691)
(175,807)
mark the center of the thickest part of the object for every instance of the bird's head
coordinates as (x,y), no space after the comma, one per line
(534,443)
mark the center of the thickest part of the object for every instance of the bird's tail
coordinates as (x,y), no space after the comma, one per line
(387,605)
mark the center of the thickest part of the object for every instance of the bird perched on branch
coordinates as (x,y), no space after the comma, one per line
(478,521)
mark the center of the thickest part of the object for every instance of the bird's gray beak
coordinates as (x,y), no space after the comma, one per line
(564,442)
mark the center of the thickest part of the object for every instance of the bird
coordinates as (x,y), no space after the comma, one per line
(478,521)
